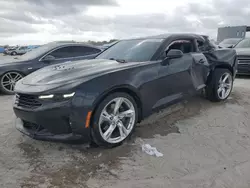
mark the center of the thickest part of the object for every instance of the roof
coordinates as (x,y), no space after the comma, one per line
(68,43)
(172,35)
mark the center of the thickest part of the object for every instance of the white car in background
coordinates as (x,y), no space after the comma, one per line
(20,50)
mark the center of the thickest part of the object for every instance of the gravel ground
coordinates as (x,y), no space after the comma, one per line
(205,145)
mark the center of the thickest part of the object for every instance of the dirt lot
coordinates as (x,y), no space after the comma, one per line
(205,145)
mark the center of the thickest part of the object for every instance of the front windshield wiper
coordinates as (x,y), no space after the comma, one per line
(118,60)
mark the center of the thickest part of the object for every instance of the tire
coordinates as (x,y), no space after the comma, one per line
(9,89)
(214,91)
(99,127)
(13,53)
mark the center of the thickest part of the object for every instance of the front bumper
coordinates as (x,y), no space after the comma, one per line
(44,134)
(53,121)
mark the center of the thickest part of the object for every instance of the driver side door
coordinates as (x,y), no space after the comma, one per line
(174,76)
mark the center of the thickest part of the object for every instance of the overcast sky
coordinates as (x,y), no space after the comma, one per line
(42,21)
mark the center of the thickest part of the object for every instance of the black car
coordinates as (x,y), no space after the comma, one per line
(243,55)
(103,99)
(14,69)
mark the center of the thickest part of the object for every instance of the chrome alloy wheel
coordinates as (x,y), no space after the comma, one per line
(225,86)
(117,120)
(8,80)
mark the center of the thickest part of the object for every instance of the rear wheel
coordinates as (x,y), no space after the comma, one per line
(220,86)
(114,120)
(8,82)
(13,53)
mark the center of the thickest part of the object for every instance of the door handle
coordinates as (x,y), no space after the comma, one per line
(201,61)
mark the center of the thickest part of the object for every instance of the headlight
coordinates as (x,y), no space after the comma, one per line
(46,96)
(68,95)
(57,96)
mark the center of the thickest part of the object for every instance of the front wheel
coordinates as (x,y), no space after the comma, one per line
(14,53)
(114,120)
(8,82)
(220,86)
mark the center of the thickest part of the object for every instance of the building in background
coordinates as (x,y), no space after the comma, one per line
(232,32)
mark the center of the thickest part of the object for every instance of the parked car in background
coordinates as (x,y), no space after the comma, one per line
(20,50)
(14,69)
(102,99)
(8,50)
(229,43)
(105,46)
(243,56)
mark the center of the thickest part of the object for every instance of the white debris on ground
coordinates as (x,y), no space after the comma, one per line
(151,150)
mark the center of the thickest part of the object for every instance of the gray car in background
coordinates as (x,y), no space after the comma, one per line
(20,50)
(8,50)
(243,55)
(229,43)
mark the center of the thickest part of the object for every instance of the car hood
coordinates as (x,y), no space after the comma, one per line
(242,51)
(74,71)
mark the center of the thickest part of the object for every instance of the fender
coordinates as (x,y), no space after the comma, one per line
(121,88)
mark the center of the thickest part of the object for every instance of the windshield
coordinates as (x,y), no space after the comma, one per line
(230,41)
(243,44)
(36,52)
(137,50)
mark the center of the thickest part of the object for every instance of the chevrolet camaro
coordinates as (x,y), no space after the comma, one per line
(102,99)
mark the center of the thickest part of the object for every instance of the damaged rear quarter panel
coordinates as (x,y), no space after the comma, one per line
(221,58)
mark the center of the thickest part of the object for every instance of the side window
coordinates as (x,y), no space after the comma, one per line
(200,45)
(74,51)
(64,52)
(186,46)
(83,50)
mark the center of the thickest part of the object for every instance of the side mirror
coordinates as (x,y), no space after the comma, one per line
(172,54)
(49,58)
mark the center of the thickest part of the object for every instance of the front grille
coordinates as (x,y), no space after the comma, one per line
(243,60)
(27,101)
